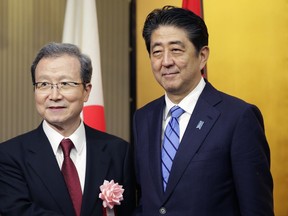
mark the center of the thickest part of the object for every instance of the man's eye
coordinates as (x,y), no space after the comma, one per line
(156,52)
(44,84)
(64,84)
(176,50)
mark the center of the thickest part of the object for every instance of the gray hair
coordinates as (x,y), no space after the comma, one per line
(53,49)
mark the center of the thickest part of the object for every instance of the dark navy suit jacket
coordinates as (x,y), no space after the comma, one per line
(222,167)
(31,182)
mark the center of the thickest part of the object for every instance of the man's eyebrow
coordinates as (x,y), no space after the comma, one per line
(156,44)
(176,42)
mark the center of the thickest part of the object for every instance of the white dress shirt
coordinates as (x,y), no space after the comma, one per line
(77,154)
(187,104)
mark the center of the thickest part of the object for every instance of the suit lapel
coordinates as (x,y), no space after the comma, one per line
(97,166)
(202,120)
(155,119)
(41,159)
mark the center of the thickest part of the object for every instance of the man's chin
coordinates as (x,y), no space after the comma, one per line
(173,90)
(55,123)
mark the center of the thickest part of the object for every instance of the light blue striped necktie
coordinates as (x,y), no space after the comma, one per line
(170,143)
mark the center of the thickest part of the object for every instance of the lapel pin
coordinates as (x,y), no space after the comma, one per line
(199,125)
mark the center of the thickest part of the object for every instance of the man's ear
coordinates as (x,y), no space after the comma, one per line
(204,55)
(87,90)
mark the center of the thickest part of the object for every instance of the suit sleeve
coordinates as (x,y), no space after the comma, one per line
(138,209)
(250,158)
(14,192)
(128,204)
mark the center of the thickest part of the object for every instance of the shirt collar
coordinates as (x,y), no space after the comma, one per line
(78,137)
(186,102)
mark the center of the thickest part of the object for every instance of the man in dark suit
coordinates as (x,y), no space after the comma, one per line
(221,160)
(31,182)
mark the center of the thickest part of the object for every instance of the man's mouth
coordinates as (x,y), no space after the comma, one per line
(169,73)
(56,107)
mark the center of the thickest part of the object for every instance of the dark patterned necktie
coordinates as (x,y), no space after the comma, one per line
(170,143)
(71,177)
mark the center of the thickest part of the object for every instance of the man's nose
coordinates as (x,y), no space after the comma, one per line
(167,59)
(54,92)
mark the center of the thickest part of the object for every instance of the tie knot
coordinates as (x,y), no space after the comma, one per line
(176,111)
(66,145)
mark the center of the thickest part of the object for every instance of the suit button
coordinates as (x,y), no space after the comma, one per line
(162,210)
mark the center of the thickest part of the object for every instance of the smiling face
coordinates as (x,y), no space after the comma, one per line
(175,62)
(61,111)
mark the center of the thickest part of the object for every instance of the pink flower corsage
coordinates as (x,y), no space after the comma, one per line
(111,193)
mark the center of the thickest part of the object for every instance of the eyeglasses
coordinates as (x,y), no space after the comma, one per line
(62,87)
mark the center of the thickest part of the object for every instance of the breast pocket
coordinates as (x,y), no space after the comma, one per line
(212,155)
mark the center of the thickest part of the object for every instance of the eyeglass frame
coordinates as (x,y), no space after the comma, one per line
(59,85)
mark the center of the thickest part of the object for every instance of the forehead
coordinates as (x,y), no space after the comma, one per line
(167,34)
(60,66)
